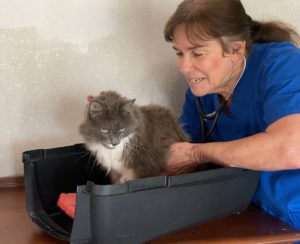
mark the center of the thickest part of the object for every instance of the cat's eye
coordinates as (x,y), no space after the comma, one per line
(122,130)
(104,131)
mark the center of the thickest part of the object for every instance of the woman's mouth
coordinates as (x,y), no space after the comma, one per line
(196,80)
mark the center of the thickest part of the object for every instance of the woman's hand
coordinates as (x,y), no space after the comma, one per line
(182,158)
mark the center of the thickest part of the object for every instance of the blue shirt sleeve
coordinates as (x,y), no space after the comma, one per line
(189,118)
(281,83)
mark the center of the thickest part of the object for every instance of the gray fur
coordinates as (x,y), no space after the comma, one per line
(147,133)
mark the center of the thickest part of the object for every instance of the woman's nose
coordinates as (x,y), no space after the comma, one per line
(185,65)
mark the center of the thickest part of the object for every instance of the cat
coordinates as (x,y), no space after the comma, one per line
(128,140)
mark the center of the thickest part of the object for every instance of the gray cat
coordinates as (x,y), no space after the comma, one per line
(129,141)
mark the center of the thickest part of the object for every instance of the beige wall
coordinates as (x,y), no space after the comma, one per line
(56,52)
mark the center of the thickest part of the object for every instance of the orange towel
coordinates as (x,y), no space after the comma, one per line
(67,202)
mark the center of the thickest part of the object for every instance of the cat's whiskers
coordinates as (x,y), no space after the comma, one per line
(136,146)
(83,155)
(93,165)
(129,152)
(88,172)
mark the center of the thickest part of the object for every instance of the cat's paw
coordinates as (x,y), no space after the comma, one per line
(123,179)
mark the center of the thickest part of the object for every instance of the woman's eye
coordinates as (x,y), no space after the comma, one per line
(179,54)
(197,54)
(122,130)
(104,131)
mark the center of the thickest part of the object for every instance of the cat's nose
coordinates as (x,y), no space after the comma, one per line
(114,141)
(112,146)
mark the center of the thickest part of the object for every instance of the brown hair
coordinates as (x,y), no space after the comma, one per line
(227,21)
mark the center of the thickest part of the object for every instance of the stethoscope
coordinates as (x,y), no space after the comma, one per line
(206,132)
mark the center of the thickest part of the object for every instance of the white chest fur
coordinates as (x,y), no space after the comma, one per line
(110,158)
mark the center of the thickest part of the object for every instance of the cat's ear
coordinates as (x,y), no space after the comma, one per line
(130,102)
(127,107)
(95,108)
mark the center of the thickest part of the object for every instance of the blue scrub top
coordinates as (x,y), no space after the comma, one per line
(268,90)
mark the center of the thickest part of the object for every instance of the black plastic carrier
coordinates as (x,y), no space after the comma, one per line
(134,212)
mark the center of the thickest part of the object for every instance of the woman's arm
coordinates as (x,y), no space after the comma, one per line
(277,148)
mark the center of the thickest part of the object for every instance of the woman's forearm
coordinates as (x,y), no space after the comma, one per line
(275,149)
(251,152)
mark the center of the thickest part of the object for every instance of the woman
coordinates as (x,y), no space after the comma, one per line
(244,80)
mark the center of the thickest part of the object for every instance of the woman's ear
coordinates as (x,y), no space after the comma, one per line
(238,49)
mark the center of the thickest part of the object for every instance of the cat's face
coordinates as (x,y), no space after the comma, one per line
(108,124)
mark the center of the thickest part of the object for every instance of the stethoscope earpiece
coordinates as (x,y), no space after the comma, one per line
(235,51)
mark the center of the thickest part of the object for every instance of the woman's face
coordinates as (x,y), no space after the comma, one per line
(205,66)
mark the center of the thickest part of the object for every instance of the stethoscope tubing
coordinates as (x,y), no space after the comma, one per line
(206,134)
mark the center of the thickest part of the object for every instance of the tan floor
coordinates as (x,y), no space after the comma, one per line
(15,225)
